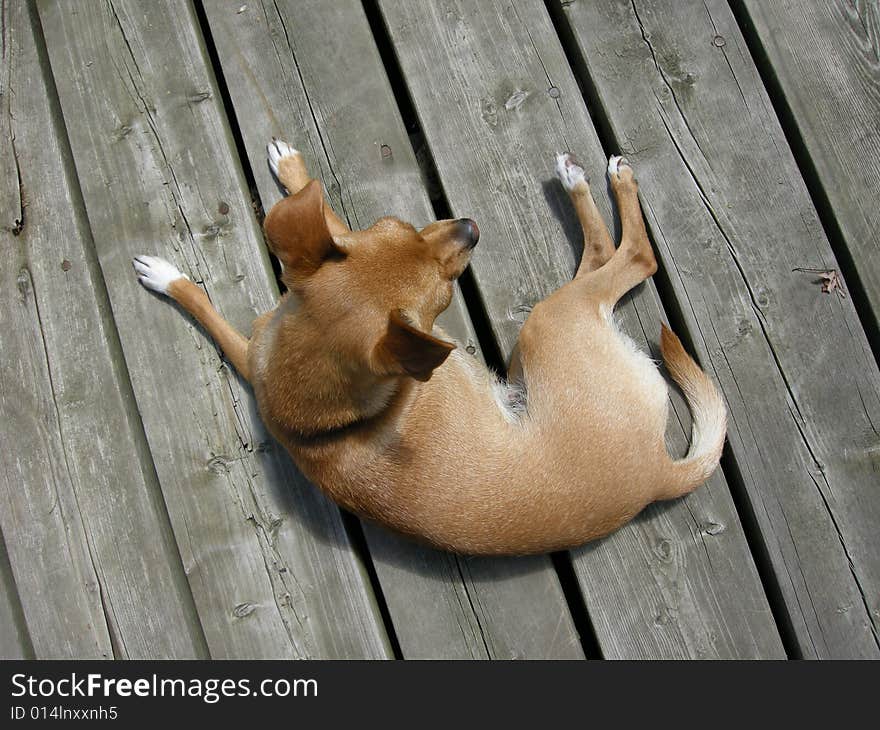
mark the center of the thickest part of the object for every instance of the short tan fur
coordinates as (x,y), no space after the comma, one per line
(380,410)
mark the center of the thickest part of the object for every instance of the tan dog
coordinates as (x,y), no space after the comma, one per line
(380,410)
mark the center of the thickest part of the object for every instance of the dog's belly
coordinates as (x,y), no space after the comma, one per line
(469,480)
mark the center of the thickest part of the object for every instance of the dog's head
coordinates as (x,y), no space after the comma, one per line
(379,289)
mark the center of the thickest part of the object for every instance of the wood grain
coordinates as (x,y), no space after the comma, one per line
(825,62)
(498,101)
(15,642)
(270,565)
(733,221)
(310,73)
(89,542)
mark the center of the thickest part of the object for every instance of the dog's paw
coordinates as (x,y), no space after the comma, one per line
(569,172)
(155,273)
(618,164)
(276,151)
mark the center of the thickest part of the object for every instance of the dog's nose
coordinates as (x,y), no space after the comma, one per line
(469,230)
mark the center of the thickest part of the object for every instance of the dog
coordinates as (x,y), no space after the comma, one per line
(380,410)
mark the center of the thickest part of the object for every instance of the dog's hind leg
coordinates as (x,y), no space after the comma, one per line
(288,165)
(598,245)
(161,276)
(634,260)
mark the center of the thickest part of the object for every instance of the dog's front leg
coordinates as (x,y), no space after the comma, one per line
(161,276)
(289,167)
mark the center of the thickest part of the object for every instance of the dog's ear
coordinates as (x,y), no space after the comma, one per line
(406,350)
(298,234)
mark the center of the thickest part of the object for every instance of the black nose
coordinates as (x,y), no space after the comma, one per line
(469,230)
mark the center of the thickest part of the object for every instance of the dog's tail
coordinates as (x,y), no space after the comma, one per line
(709,419)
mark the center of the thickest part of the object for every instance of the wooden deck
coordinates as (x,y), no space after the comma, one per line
(145,512)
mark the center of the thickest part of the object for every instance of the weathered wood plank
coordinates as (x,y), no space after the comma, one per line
(732,220)
(88,538)
(497,101)
(310,73)
(15,642)
(825,58)
(270,565)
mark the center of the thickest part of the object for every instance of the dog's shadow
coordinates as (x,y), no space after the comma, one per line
(264,477)
(386,552)
(301,506)
(310,508)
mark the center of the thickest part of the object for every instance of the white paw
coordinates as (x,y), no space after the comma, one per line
(569,172)
(615,163)
(155,273)
(278,150)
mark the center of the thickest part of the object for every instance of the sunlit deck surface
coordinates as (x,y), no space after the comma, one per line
(145,511)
